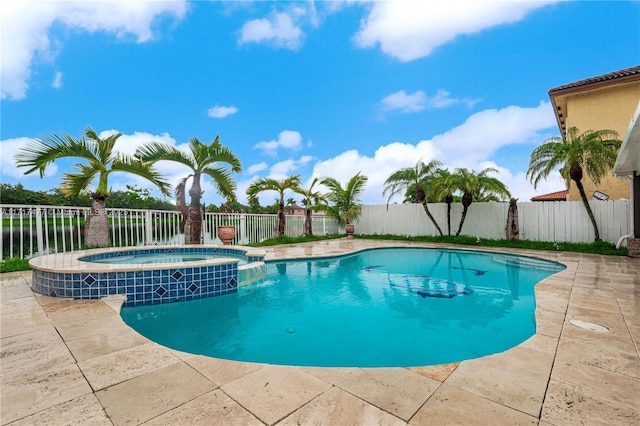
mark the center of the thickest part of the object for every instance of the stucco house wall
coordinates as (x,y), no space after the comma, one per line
(599,105)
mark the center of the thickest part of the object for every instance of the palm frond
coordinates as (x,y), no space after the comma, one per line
(153,152)
(344,202)
(223,181)
(218,153)
(594,151)
(74,184)
(39,153)
(270,184)
(128,164)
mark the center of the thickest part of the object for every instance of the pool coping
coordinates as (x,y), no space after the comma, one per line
(69,262)
(561,375)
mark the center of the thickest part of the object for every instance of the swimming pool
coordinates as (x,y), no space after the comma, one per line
(382,307)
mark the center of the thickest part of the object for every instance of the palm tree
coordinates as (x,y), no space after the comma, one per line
(289,204)
(444,185)
(593,152)
(100,160)
(280,186)
(415,180)
(478,186)
(214,160)
(344,203)
(311,198)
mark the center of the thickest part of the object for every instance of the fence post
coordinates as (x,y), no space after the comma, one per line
(148,227)
(39,237)
(243,229)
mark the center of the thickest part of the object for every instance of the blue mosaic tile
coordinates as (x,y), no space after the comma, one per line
(141,287)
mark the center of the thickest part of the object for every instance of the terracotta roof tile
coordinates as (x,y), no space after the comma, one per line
(553,196)
(627,72)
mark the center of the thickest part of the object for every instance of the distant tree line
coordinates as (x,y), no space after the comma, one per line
(132,198)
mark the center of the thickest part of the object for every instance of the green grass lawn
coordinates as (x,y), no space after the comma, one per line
(601,247)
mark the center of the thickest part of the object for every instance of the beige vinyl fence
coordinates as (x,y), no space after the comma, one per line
(538,221)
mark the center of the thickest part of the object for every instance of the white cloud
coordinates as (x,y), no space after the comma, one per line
(57,81)
(418,101)
(386,160)
(8,166)
(486,131)
(404,102)
(280,170)
(411,29)
(256,168)
(221,111)
(468,145)
(284,169)
(288,139)
(26,29)
(128,144)
(280,30)
(443,99)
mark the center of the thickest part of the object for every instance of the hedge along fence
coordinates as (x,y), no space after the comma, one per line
(538,221)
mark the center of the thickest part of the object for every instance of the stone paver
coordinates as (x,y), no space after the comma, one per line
(337,407)
(213,408)
(516,378)
(153,394)
(580,394)
(398,391)
(73,362)
(273,392)
(453,406)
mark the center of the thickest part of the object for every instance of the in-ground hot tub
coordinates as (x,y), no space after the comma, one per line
(147,275)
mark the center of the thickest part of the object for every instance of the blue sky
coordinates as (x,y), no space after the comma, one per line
(304,87)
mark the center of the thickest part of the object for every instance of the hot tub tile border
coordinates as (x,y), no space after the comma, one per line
(142,287)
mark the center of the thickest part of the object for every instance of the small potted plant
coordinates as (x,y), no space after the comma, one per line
(344,202)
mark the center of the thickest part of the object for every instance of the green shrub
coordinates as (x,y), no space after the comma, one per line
(598,247)
(293,240)
(14,264)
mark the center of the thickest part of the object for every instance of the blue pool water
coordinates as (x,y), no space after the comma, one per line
(171,257)
(383,307)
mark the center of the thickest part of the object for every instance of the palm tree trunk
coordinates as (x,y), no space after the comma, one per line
(467,199)
(426,210)
(96,228)
(588,207)
(281,218)
(449,200)
(464,215)
(308,228)
(193,229)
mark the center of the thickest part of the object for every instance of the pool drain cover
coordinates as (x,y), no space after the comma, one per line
(589,326)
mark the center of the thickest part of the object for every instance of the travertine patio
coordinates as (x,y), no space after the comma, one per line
(73,362)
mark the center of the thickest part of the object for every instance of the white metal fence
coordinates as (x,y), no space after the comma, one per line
(538,221)
(29,230)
